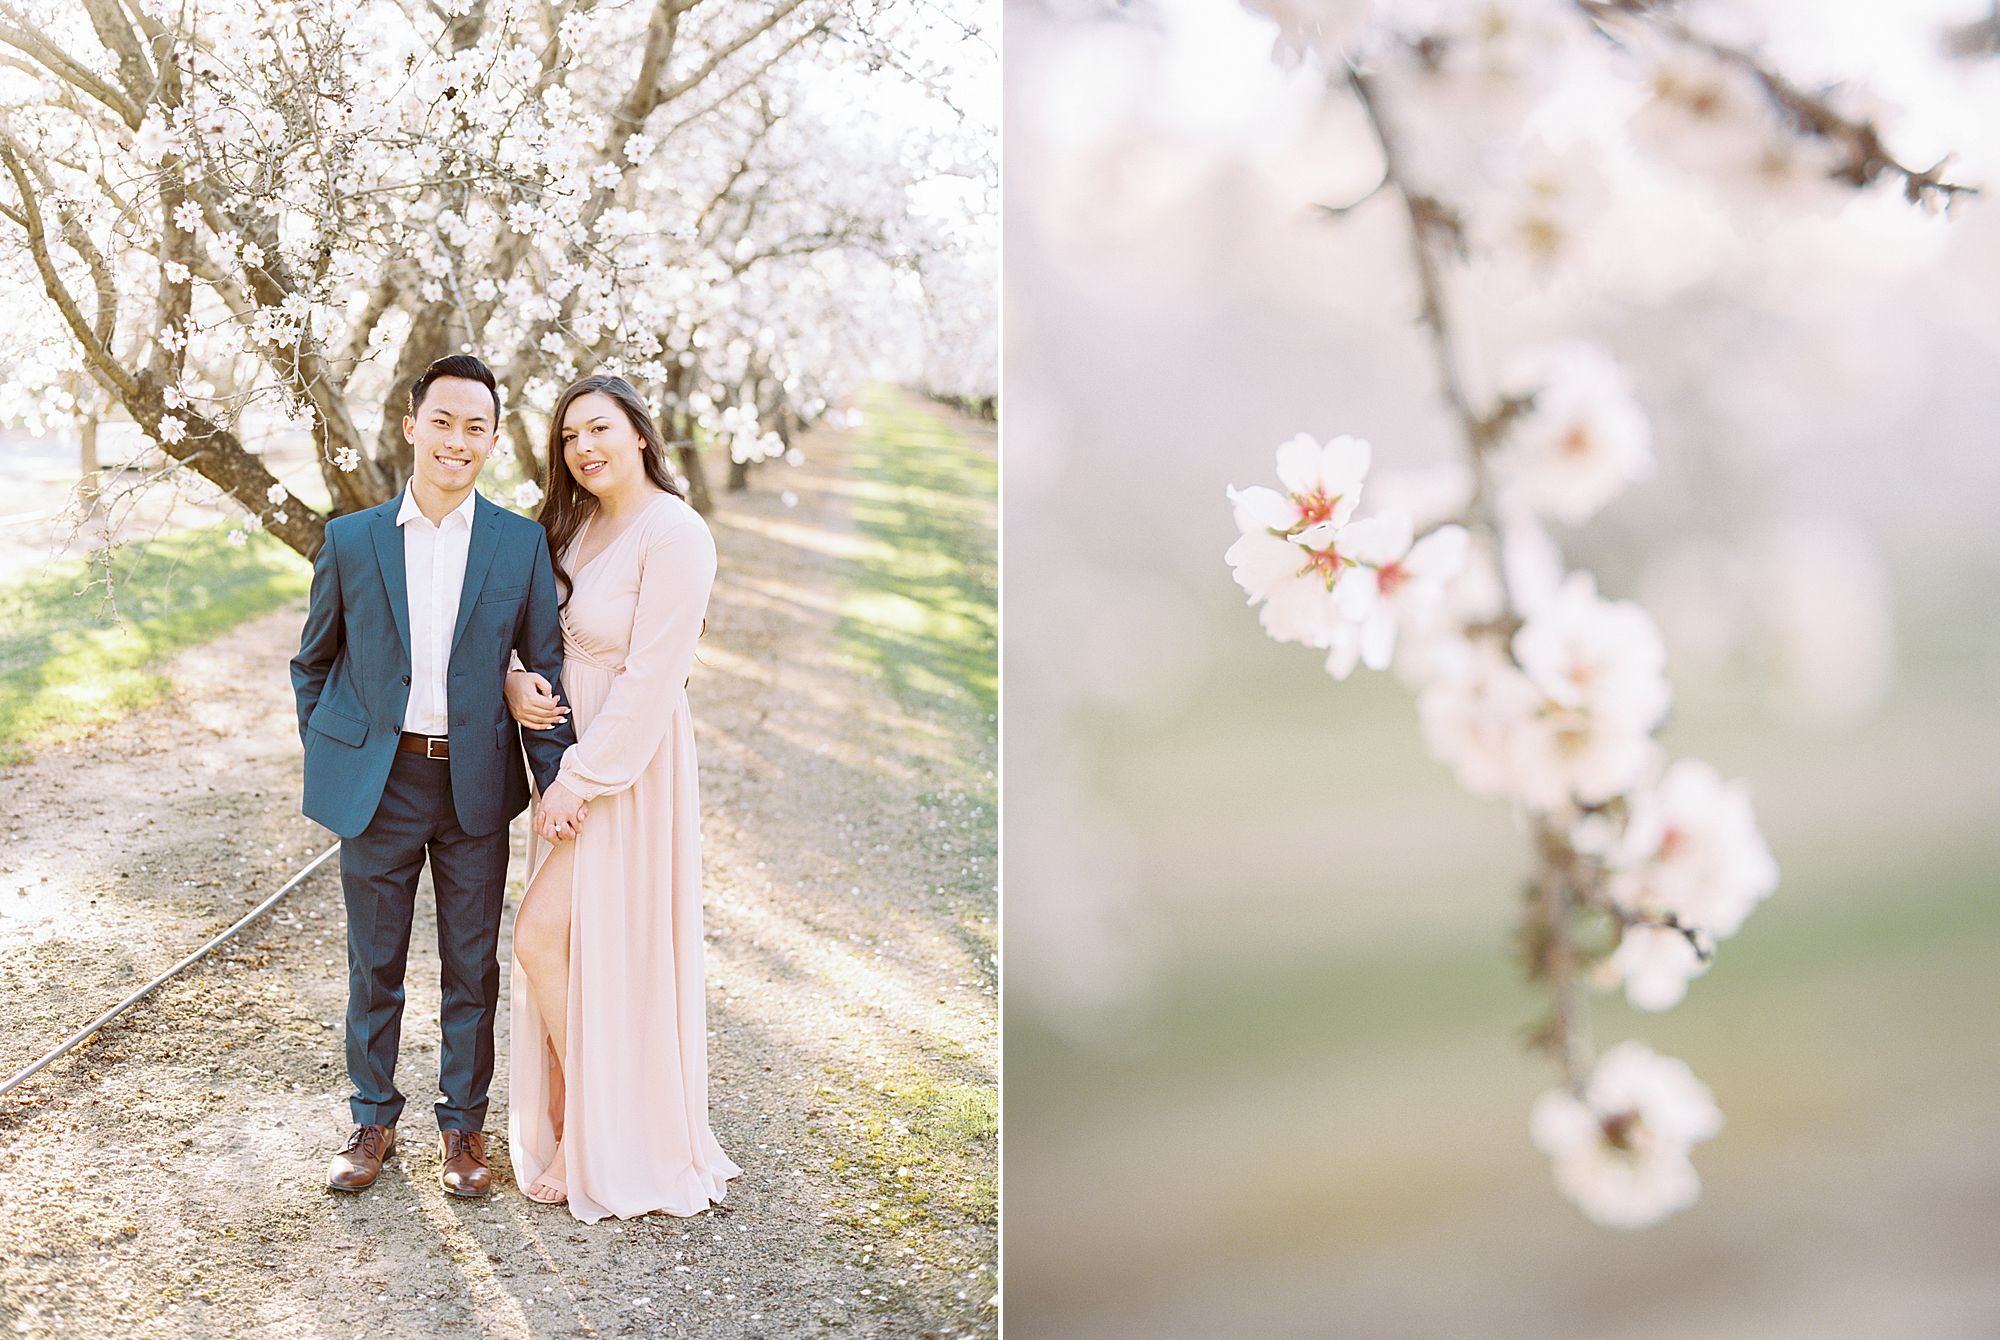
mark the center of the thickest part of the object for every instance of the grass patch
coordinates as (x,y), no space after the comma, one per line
(74,655)
(920,613)
(916,1153)
(920,1150)
(922,609)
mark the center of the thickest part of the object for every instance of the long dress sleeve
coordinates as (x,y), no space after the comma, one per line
(677,569)
(538,647)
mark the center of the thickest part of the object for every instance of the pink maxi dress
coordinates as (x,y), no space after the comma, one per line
(633,1102)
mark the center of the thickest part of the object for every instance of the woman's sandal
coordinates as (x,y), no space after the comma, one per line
(561,1190)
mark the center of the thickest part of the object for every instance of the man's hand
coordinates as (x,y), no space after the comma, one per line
(532,702)
(560,815)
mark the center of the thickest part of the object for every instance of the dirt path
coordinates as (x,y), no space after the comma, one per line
(166,1180)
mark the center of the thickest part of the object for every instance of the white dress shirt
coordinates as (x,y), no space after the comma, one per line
(434,572)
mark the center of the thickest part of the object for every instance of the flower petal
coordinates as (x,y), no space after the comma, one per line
(1259,508)
(1299,464)
(1373,539)
(1439,555)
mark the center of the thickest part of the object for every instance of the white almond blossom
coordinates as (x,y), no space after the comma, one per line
(1542,207)
(1294,582)
(1597,671)
(1622,1149)
(1472,711)
(1588,654)
(1564,757)
(1655,963)
(1583,440)
(1469,78)
(1321,483)
(154,139)
(1691,850)
(1409,586)
(1711,120)
(1290,557)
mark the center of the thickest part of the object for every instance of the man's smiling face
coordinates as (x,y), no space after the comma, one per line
(452,433)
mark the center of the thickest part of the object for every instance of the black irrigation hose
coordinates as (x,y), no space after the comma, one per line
(84,1034)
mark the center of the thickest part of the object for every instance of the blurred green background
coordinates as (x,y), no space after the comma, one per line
(1316,1121)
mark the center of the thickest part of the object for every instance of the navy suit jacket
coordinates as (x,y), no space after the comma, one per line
(352,673)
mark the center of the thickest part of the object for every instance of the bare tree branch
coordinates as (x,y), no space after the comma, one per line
(1433,225)
(119,37)
(750,78)
(18,31)
(726,50)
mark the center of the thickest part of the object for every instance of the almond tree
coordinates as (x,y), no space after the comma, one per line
(229,213)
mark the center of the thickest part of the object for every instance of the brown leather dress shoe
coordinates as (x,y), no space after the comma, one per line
(465,1171)
(359,1161)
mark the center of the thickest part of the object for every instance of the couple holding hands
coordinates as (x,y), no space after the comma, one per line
(439,626)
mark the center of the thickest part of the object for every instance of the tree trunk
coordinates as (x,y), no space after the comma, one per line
(430,338)
(530,465)
(697,477)
(86,431)
(218,456)
(739,476)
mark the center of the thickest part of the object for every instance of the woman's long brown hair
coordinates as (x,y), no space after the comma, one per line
(566,504)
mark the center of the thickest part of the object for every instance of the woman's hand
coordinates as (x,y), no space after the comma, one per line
(532,702)
(560,815)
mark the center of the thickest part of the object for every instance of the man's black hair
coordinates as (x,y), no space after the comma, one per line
(456,365)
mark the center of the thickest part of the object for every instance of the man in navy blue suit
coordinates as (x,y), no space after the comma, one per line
(410,752)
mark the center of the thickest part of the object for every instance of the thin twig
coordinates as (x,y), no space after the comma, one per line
(1867,157)
(1433,222)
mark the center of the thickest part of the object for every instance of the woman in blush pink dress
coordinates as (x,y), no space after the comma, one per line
(609,1059)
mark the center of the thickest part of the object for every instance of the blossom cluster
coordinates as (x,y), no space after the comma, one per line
(1537,689)
(1621,1147)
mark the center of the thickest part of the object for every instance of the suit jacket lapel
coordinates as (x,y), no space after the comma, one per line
(395,575)
(478,558)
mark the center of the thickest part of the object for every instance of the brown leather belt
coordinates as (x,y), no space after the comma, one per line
(430,746)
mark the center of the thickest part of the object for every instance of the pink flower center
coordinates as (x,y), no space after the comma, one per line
(1391,576)
(1576,442)
(1671,841)
(1315,507)
(1327,562)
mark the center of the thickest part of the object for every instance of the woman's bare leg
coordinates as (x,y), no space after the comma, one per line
(541,943)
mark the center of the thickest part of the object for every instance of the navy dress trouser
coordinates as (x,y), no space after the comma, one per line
(378,875)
